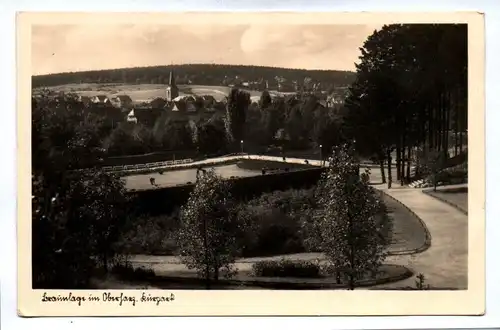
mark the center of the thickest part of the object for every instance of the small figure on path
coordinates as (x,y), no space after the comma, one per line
(152,181)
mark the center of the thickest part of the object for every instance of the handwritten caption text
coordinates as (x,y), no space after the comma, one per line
(108,297)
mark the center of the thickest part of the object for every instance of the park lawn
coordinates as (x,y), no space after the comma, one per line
(409,233)
(457,197)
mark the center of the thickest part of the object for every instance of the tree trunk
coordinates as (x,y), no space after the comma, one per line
(351,281)
(425,127)
(430,127)
(408,165)
(382,170)
(455,124)
(447,123)
(398,162)
(216,273)
(207,260)
(389,169)
(402,164)
(402,157)
(439,122)
(417,163)
(463,110)
(352,256)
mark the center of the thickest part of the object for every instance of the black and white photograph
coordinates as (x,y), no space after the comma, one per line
(250,156)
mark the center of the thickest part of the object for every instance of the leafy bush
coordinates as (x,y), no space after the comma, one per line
(286,268)
(150,235)
(275,223)
(453,176)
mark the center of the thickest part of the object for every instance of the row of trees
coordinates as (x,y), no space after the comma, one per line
(201,74)
(410,94)
(295,122)
(292,122)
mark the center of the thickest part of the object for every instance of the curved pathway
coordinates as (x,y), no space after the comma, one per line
(444,263)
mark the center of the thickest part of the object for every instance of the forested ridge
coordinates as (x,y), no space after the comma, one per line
(201,74)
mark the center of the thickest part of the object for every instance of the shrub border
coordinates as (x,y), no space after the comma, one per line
(272,284)
(428,236)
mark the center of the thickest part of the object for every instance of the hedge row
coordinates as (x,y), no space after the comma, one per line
(286,268)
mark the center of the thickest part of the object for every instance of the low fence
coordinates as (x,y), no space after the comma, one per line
(153,157)
(167,163)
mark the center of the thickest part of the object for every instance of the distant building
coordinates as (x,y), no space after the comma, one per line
(86,100)
(122,101)
(131,117)
(101,100)
(185,103)
(172,90)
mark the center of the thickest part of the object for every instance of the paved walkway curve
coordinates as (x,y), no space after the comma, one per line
(444,263)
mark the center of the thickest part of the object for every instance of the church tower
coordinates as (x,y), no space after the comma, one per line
(172,89)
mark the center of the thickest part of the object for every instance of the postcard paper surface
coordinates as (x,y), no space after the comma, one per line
(250,164)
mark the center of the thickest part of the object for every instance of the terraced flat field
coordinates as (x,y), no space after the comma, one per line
(145,92)
(180,177)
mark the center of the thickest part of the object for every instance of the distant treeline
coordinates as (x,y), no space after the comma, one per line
(201,74)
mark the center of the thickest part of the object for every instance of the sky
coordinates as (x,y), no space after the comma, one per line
(65,48)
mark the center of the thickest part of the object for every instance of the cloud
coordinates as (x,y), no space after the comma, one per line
(60,48)
(305,46)
(211,31)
